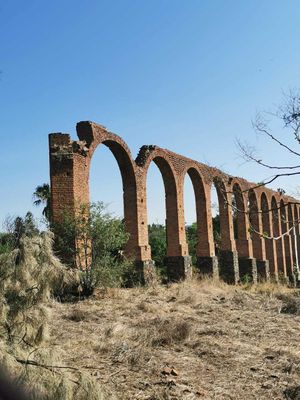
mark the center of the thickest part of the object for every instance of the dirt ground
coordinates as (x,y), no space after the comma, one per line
(193,340)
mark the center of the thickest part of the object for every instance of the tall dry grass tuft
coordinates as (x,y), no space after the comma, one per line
(29,276)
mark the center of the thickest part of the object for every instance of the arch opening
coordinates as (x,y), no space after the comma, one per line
(156,217)
(191,189)
(271,254)
(117,187)
(276,224)
(223,223)
(286,242)
(215,218)
(238,212)
(198,233)
(255,227)
(296,239)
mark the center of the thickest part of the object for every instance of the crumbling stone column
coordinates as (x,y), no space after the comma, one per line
(291,260)
(277,233)
(270,245)
(228,258)
(296,240)
(178,260)
(247,263)
(207,262)
(258,242)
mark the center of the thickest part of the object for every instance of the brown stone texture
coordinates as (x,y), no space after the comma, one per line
(270,213)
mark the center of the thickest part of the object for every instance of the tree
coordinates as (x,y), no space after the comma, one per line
(288,115)
(94,241)
(192,238)
(16,228)
(158,243)
(42,196)
(266,123)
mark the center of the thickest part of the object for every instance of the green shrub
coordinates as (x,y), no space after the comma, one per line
(99,254)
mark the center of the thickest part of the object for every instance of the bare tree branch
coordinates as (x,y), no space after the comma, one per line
(248,153)
(260,126)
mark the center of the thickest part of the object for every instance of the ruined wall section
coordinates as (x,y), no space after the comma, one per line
(69,169)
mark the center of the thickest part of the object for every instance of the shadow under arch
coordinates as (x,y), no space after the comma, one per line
(285,217)
(257,237)
(256,228)
(296,240)
(227,254)
(276,225)
(239,221)
(226,223)
(271,253)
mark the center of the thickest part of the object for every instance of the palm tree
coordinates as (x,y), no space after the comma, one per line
(42,195)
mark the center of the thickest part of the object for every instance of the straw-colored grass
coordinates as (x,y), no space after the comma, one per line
(196,339)
(28,277)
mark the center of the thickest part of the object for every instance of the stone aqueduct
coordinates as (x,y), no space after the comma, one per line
(244,253)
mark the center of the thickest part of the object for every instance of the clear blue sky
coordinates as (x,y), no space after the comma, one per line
(185,75)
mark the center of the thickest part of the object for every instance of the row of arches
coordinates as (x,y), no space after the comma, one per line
(258,228)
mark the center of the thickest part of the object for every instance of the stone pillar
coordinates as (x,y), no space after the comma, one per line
(207,262)
(247,264)
(291,250)
(271,254)
(277,233)
(67,164)
(297,244)
(258,242)
(178,260)
(228,259)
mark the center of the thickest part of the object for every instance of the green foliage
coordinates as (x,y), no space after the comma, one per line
(216,230)
(158,243)
(42,196)
(17,228)
(191,232)
(6,243)
(100,240)
(246,279)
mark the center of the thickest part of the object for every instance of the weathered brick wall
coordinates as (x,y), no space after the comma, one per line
(69,171)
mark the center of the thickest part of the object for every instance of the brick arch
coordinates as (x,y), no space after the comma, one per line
(177,257)
(286,239)
(267,226)
(203,212)
(243,239)
(93,136)
(171,201)
(70,170)
(297,234)
(277,230)
(255,220)
(228,256)
(225,211)
(293,240)
(69,173)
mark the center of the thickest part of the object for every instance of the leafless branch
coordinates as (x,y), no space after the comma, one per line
(260,126)
(248,153)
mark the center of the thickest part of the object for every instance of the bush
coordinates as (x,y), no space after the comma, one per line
(100,239)
(16,228)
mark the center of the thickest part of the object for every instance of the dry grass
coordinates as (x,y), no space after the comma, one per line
(194,340)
